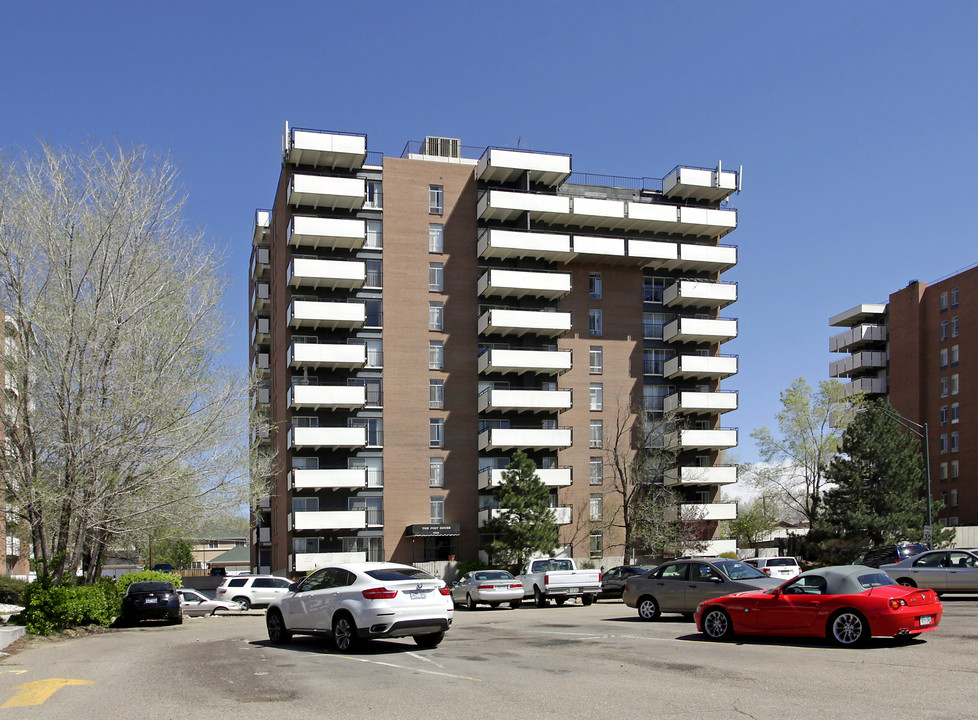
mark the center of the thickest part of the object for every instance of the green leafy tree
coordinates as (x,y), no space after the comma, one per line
(174,551)
(666,526)
(754,519)
(880,483)
(526,526)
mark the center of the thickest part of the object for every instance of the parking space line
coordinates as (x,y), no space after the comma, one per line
(404,667)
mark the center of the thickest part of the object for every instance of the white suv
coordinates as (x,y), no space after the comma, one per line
(782,568)
(362,601)
(252,590)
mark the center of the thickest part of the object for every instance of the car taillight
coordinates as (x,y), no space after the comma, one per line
(516,585)
(767,571)
(380,593)
(600,575)
(897,603)
(546,579)
(485,587)
(445,590)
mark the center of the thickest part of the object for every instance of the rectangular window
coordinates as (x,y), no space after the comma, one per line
(436,316)
(437,505)
(943,471)
(943,385)
(436,471)
(597,544)
(375,235)
(943,358)
(597,434)
(943,415)
(436,393)
(374,312)
(375,352)
(436,432)
(954,441)
(654,397)
(596,507)
(942,444)
(594,323)
(596,360)
(954,355)
(654,361)
(943,301)
(954,297)
(954,326)
(436,277)
(954,384)
(373,506)
(943,330)
(436,355)
(594,286)
(653,324)
(652,289)
(436,199)
(374,467)
(374,273)
(596,396)
(305,463)
(436,238)
(374,428)
(955,409)
(596,471)
(954,498)
(954,469)
(375,195)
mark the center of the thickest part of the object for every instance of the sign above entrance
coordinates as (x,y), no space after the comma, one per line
(435,530)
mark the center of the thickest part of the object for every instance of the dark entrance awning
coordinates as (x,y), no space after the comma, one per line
(435,530)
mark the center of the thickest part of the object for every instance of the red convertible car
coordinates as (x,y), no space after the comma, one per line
(847,604)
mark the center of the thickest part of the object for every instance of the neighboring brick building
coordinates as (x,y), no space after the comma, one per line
(417,319)
(918,351)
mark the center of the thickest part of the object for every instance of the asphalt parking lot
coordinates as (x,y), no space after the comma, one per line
(572,661)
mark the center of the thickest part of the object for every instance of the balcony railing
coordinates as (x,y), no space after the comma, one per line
(498,360)
(328,520)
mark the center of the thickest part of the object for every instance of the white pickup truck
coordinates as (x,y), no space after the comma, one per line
(559,578)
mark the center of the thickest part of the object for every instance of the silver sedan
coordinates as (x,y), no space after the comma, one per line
(194,603)
(491,587)
(946,571)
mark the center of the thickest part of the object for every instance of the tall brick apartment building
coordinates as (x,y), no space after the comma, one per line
(417,319)
(918,350)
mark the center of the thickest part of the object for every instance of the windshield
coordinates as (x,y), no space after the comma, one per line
(872,580)
(736,570)
(395,573)
(493,575)
(139,587)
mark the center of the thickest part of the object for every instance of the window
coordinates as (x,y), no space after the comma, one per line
(373,505)
(943,302)
(305,421)
(597,434)
(954,326)
(436,316)
(954,441)
(597,396)
(652,289)
(594,286)
(436,277)
(436,393)
(596,471)
(437,505)
(943,384)
(954,384)
(954,297)
(943,330)
(654,397)
(373,390)
(954,469)
(436,238)
(436,355)
(943,360)
(955,409)
(653,324)
(654,361)
(374,467)
(943,471)
(374,428)
(374,273)
(954,501)
(375,234)
(596,360)
(943,443)
(375,194)
(596,507)
(436,432)
(305,463)
(375,352)
(594,323)
(943,415)
(954,355)
(436,199)
(597,544)
(436,471)
(374,313)
(305,504)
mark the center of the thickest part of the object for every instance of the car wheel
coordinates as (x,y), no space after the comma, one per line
(717,624)
(244,602)
(429,640)
(469,602)
(277,632)
(907,582)
(539,599)
(344,633)
(848,628)
(560,601)
(515,604)
(178,620)
(587,600)
(648,608)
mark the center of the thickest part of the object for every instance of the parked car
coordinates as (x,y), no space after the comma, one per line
(782,568)
(847,604)
(679,586)
(886,554)
(252,590)
(363,601)
(613,581)
(151,600)
(492,587)
(944,571)
(194,603)
(219,571)
(163,567)
(560,579)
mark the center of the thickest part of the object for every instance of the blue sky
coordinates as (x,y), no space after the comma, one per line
(854,122)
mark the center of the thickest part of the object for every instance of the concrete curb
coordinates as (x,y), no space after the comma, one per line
(11,633)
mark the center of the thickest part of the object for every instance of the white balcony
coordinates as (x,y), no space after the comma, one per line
(524,400)
(259,262)
(588,247)
(323,149)
(698,294)
(265,502)
(331,315)
(327,233)
(523,283)
(327,437)
(859,363)
(260,297)
(327,274)
(868,385)
(708,511)
(261,535)
(562,515)
(699,184)
(711,258)
(328,520)
(521,322)
(863,314)
(329,356)
(655,253)
(701,366)
(329,478)
(260,331)
(861,336)
(716,548)
(719,439)
(497,165)
(551,477)
(497,244)
(259,364)
(548,362)
(515,438)
(699,330)
(320,191)
(334,397)
(695,475)
(701,402)
(263,224)
(307,562)
(503,205)
(597,213)
(261,396)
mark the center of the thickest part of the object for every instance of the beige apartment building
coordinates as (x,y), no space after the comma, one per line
(417,319)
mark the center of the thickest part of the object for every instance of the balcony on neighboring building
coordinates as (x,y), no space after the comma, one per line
(499,321)
(699,294)
(261,396)
(691,367)
(654,254)
(505,206)
(700,330)
(596,248)
(327,437)
(504,166)
(859,363)
(259,263)
(260,297)
(597,213)
(315,314)
(331,478)
(716,439)
(545,362)
(260,331)
(496,244)
(322,191)
(307,562)
(517,438)
(345,151)
(679,219)
(499,283)
(859,337)
(259,364)
(326,274)
(551,477)
(562,515)
(328,520)
(332,397)
(524,400)
(263,224)
(867,385)
(694,183)
(863,314)
(707,511)
(712,403)
(261,536)
(327,233)
(328,356)
(708,258)
(701,475)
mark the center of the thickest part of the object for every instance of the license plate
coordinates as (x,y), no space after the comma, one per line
(573,590)
(417,594)
(926,620)
(150,601)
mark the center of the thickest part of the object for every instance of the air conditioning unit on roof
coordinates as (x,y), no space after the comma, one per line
(443,147)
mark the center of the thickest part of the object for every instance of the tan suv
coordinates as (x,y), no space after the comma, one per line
(252,590)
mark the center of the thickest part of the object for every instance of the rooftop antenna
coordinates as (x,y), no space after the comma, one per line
(519,142)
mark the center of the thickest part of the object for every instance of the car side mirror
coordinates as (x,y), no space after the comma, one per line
(293,587)
(716,579)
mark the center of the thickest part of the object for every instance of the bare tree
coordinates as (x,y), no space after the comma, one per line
(121,418)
